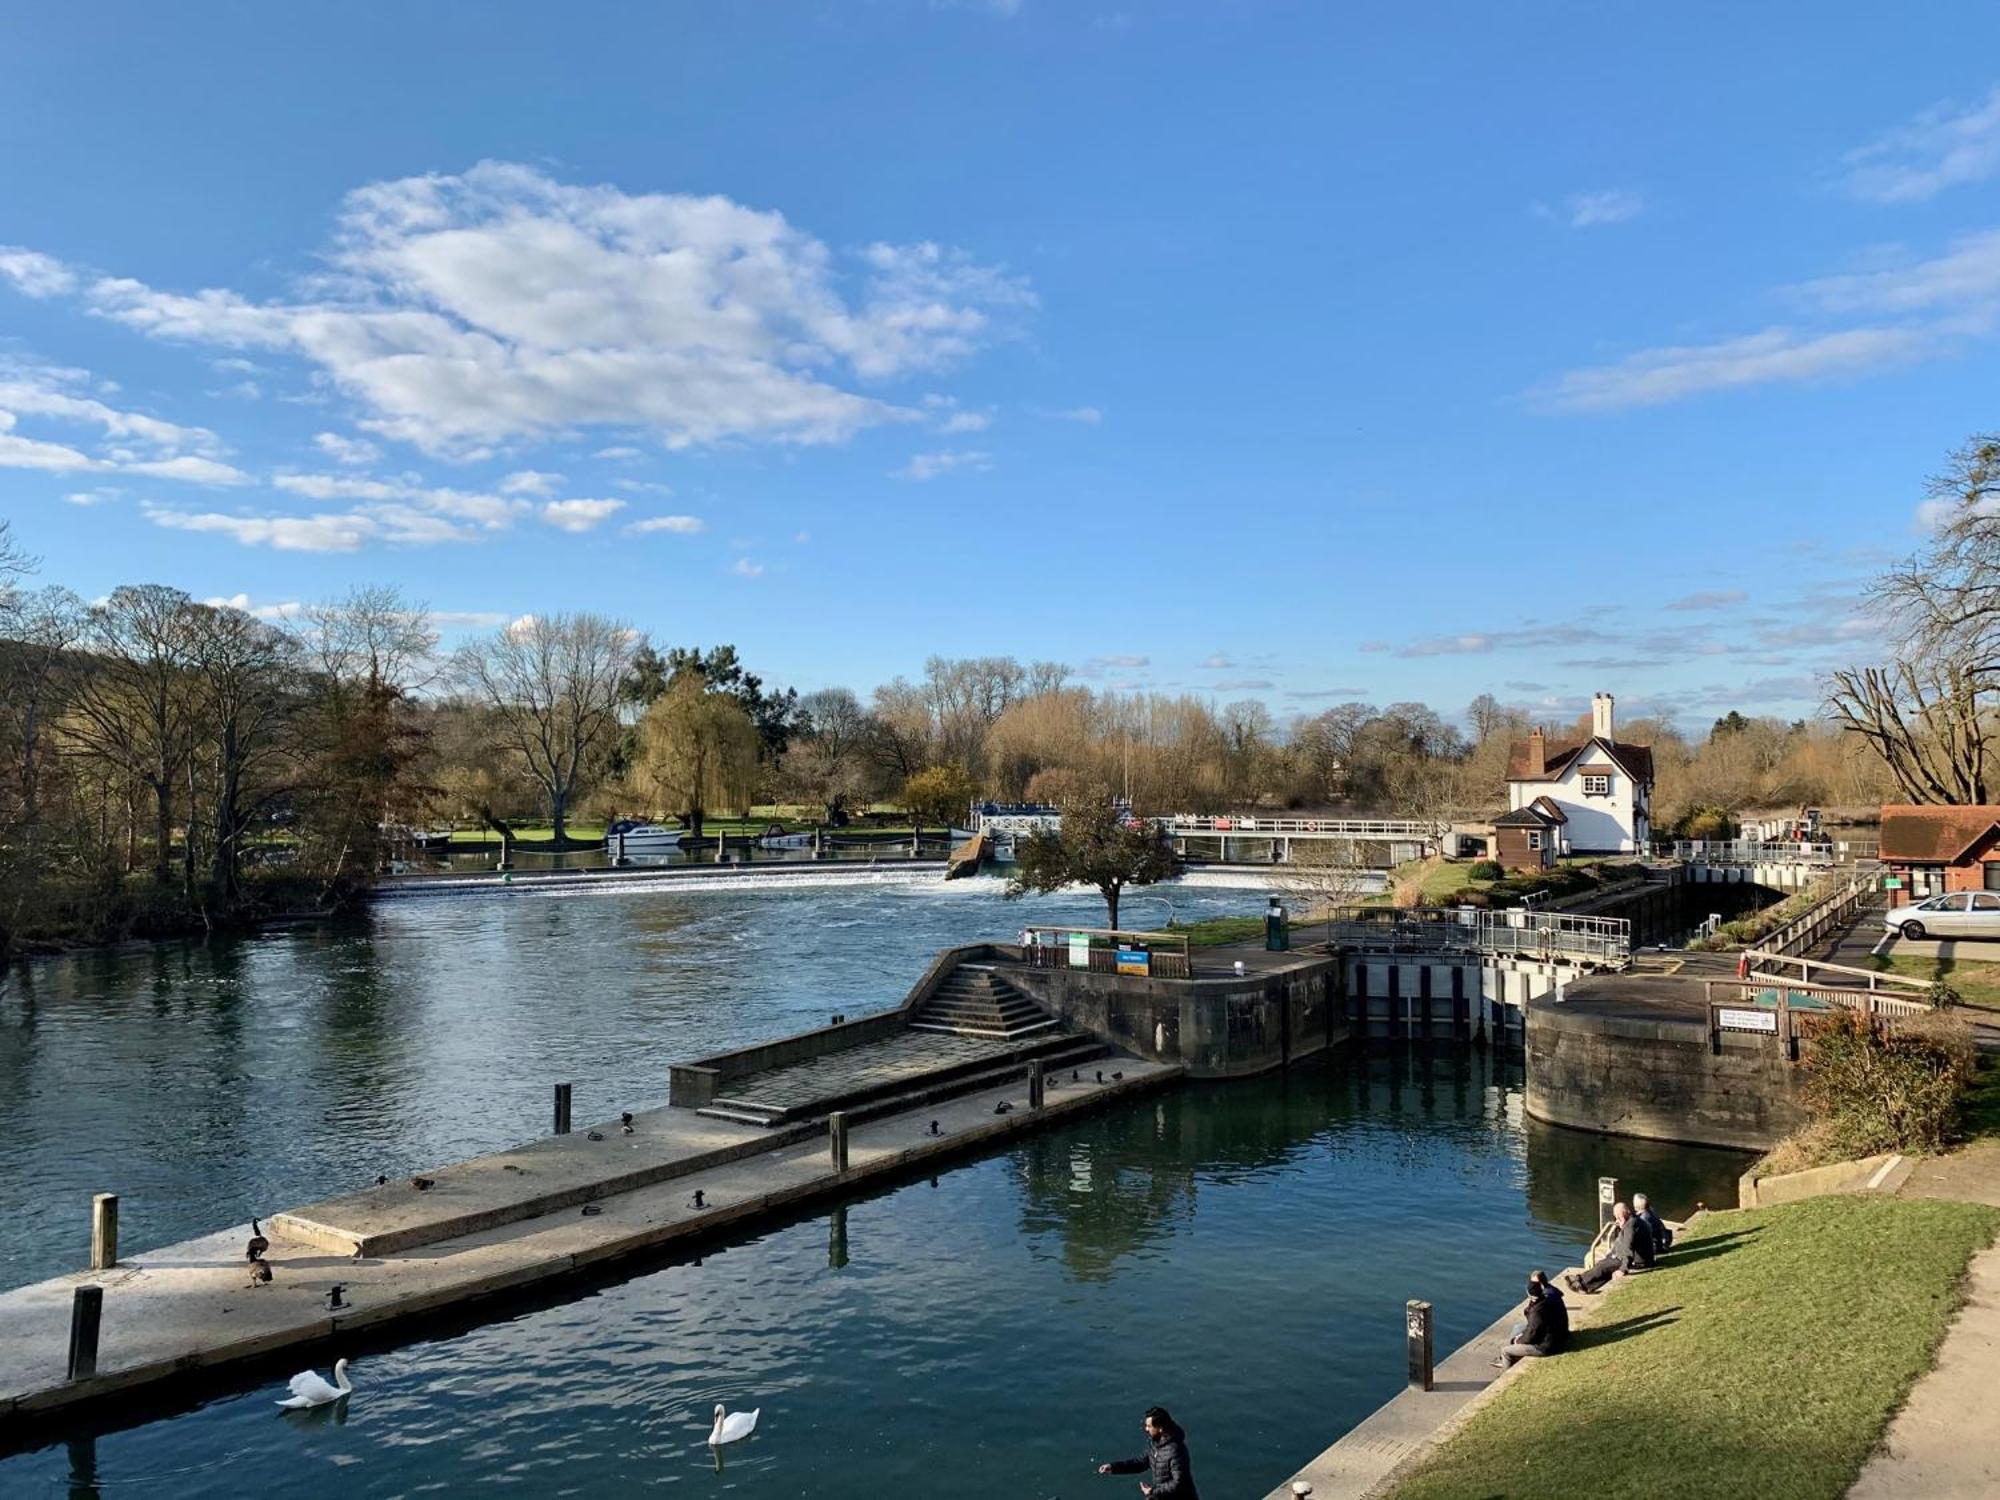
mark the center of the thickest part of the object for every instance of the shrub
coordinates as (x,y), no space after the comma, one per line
(1708,823)
(1870,1088)
(1486,869)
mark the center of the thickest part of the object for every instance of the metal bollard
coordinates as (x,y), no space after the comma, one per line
(1037,1086)
(562,1109)
(103,1231)
(1607,1195)
(1417,1323)
(836,1135)
(86,1315)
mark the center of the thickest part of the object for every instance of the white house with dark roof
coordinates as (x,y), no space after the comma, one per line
(1602,788)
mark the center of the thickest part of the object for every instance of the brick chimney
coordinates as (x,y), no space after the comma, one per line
(1600,716)
(1538,754)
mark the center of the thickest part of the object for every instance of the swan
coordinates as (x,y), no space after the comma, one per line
(732,1428)
(308,1389)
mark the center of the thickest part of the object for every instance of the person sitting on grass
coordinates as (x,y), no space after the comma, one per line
(1544,1326)
(1631,1249)
(1663,1237)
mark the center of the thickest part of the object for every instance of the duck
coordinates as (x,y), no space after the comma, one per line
(625,1122)
(732,1427)
(423,1184)
(257,1245)
(260,1272)
(593,1135)
(309,1388)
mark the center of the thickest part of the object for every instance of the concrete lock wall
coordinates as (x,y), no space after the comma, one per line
(1219,1028)
(1658,1078)
(1442,998)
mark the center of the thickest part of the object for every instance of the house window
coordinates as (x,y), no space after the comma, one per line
(1534,841)
(1597,786)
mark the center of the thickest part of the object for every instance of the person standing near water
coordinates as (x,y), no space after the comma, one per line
(1166,1457)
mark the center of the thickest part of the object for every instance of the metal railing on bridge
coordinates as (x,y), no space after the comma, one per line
(1555,937)
(1181,824)
(1809,928)
(1748,852)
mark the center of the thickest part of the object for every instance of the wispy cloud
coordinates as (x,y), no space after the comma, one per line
(1709,599)
(1089,416)
(1653,377)
(678,525)
(535,482)
(34,274)
(931,465)
(1590,210)
(346,450)
(112,439)
(1945,146)
(1219,662)
(745,568)
(1243,685)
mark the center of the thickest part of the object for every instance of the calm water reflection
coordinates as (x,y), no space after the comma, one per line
(1240,1252)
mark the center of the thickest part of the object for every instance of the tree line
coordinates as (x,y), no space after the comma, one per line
(171,765)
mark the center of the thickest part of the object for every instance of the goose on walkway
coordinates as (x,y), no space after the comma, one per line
(309,1389)
(257,1245)
(732,1427)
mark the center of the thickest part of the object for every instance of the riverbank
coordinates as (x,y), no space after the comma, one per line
(1764,1356)
(137,918)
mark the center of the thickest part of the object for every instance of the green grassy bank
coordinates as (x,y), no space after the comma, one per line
(1764,1357)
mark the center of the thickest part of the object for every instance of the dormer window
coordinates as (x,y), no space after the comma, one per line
(1597,784)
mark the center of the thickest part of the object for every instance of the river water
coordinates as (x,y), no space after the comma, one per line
(1239,1252)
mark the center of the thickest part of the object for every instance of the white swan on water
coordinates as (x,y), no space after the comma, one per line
(732,1427)
(310,1389)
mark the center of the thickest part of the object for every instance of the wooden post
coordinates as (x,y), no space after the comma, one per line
(103,1231)
(86,1316)
(836,1135)
(1417,1325)
(562,1109)
(1607,1195)
(1036,1086)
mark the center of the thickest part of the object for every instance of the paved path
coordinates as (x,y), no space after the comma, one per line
(1941,1444)
(190,1306)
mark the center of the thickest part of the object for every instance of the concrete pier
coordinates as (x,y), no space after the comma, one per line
(481,1230)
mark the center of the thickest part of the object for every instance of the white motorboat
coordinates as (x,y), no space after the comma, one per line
(630,839)
(775,837)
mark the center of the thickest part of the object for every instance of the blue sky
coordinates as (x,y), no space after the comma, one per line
(1292,351)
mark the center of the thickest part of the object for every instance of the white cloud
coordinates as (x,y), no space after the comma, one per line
(339,487)
(580,515)
(1589,210)
(1089,416)
(35,274)
(744,568)
(967,421)
(1941,148)
(289,609)
(86,497)
(1703,599)
(346,450)
(619,453)
(644,486)
(461,619)
(128,442)
(679,525)
(931,465)
(1216,663)
(322,533)
(499,304)
(530,482)
(1777,355)
(1243,685)
(1966,276)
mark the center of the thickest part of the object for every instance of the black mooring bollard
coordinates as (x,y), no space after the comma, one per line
(562,1109)
(1417,1320)
(836,1135)
(86,1316)
(1035,1085)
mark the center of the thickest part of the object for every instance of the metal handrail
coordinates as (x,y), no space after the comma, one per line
(1514,932)
(1357,828)
(1812,924)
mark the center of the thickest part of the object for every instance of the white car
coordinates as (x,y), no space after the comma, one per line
(1961,914)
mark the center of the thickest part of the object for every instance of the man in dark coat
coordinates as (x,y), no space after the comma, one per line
(1631,1249)
(1166,1458)
(1544,1325)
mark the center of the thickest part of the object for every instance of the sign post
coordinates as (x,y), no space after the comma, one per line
(1607,1195)
(1417,1327)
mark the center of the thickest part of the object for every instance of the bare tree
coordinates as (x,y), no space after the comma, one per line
(554,685)
(827,761)
(1928,720)
(136,707)
(249,698)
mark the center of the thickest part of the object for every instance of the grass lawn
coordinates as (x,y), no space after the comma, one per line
(1438,879)
(1978,984)
(1762,1359)
(1213,932)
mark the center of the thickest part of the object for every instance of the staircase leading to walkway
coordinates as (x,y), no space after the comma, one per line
(975,1001)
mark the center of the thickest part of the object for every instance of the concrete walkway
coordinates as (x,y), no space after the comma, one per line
(191,1306)
(1941,1444)
(1374,1455)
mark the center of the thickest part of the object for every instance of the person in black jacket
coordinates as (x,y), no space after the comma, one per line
(1631,1249)
(1166,1458)
(1544,1325)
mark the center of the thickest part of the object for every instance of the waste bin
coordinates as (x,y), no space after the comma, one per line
(1277,934)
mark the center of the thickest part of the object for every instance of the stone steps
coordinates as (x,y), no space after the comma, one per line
(973,1000)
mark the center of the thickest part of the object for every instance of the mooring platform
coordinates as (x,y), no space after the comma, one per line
(568,1204)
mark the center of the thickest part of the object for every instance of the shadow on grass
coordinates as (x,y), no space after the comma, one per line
(1625,1328)
(1705,1247)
